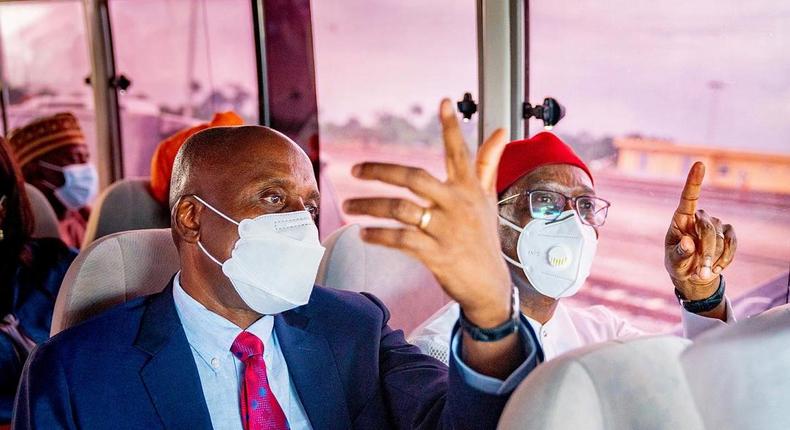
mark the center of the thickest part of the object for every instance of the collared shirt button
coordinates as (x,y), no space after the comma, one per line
(215,363)
(545,333)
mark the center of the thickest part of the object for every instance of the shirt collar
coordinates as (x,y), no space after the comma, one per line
(208,333)
(558,317)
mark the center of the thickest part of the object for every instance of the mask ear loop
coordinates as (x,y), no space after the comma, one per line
(506,222)
(50,166)
(203,248)
(214,210)
(200,244)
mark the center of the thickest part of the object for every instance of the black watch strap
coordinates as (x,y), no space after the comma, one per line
(495,333)
(704,305)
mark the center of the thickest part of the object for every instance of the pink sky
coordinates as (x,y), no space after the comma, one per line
(619,66)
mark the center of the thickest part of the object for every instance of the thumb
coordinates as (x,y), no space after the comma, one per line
(487,162)
(683,250)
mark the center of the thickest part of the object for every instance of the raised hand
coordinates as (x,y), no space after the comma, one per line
(455,236)
(698,247)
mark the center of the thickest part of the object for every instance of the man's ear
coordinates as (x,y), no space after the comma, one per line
(185,219)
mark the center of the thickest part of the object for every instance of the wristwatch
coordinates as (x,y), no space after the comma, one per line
(496,333)
(704,305)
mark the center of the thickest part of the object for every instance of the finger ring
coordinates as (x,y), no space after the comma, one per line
(425,219)
(720,234)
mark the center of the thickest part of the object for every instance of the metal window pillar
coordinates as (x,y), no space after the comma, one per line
(502,66)
(259,25)
(105,96)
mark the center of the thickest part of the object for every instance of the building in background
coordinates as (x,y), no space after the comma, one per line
(726,168)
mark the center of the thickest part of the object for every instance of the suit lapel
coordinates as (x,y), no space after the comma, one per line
(312,368)
(170,376)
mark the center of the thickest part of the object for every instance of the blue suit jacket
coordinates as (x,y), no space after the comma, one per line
(132,367)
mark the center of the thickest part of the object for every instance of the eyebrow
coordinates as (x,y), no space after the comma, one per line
(287,184)
(553,186)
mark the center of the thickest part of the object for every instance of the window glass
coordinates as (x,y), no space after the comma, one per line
(186,60)
(45,63)
(381,69)
(650,87)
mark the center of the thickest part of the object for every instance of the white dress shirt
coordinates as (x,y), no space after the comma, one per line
(569,328)
(210,337)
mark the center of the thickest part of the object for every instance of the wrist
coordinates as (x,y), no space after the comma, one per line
(706,304)
(490,315)
(695,290)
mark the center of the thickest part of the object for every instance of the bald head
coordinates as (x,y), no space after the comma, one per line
(221,151)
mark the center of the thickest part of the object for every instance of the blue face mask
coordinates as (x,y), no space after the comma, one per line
(80,186)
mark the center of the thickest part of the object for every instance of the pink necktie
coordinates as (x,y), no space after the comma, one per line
(259,407)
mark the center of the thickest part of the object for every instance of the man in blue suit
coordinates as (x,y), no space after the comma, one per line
(241,339)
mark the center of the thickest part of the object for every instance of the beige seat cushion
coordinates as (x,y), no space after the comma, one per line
(740,374)
(46,221)
(123,206)
(632,384)
(406,286)
(113,270)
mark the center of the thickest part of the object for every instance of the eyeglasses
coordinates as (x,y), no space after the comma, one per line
(550,205)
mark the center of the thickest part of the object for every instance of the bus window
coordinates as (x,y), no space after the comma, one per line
(650,88)
(381,69)
(185,61)
(45,63)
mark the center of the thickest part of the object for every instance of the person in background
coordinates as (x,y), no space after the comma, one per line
(550,217)
(54,158)
(165,154)
(31,271)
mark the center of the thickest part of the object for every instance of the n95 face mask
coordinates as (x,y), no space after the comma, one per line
(556,256)
(274,262)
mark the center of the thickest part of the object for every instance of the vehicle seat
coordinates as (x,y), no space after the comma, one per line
(46,221)
(406,286)
(113,270)
(631,384)
(740,374)
(123,206)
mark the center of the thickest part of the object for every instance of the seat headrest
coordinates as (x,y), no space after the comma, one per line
(406,286)
(113,270)
(123,206)
(740,374)
(623,384)
(46,221)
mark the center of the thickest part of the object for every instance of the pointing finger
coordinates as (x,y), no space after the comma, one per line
(691,191)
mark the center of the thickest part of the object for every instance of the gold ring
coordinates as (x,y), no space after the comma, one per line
(425,219)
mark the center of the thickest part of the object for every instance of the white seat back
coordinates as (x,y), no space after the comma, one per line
(406,286)
(740,374)
(113,270)
(633,384)
(46,221)
(123,206)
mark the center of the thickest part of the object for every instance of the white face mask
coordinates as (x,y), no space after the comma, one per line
(555,256)
(81,183)
(274,263)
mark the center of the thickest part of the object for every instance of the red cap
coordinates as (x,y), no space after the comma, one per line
(523,156)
